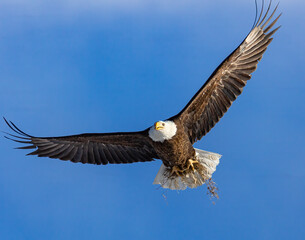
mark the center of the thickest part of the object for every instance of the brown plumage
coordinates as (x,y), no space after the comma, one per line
(92,148)
(171,151)
(172,143)
(226,83)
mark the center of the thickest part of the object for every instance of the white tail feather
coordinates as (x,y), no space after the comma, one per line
(192,179)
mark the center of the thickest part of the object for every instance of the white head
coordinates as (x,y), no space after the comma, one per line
(162,130)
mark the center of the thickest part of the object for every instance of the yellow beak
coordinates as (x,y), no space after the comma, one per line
(158,125)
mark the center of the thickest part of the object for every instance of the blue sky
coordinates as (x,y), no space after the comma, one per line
(69,67)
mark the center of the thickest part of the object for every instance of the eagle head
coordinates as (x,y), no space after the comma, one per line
(162,130)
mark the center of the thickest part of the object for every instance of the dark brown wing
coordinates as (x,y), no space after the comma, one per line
(227,81)
(93,148)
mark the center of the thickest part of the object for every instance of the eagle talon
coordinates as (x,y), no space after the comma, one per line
(190,164)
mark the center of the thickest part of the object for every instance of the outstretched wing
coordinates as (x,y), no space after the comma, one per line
(89,148)
(215,97)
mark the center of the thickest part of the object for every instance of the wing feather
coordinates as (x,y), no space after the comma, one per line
(89,148)
(226,83)
(96,153)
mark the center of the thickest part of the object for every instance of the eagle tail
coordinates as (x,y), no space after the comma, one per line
(202,172)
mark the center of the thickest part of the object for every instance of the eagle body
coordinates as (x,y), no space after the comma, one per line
(171,140)
(177,150)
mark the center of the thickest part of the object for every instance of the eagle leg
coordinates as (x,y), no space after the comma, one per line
(176,171)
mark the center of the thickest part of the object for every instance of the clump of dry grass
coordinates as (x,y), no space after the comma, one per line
(212,189)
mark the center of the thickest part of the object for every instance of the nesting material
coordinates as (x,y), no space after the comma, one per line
(199,173)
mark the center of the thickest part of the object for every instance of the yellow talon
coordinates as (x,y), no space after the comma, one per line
(190,164)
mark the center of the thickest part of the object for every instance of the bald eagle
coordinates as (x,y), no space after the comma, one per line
(170,140)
